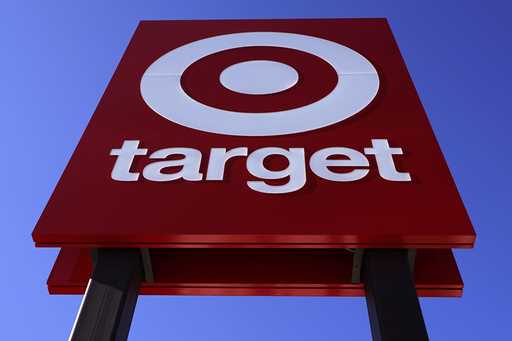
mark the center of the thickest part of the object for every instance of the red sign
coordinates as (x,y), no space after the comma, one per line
(258,133)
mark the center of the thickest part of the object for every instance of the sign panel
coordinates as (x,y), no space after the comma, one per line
(257,272)
(258,133)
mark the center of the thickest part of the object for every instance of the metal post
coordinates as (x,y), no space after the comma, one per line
(109,302)
(393,306)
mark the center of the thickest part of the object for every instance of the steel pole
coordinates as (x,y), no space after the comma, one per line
(393,306)
(109,301)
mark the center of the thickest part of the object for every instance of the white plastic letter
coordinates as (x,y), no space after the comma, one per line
(320,164)
(296,170)
(190,165)
(124,160)
(218,159)
(384,157)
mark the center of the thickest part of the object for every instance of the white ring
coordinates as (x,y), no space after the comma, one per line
(357,86)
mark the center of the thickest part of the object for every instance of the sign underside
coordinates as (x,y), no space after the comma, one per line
(282,272)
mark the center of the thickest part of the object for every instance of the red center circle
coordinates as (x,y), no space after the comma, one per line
(201,80)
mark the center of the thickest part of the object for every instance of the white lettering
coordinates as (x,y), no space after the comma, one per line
(320,164)
(124,160)
(385,163)
(218,159)
(296,170)
(190,165)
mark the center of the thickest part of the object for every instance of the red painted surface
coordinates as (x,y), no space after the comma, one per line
(88,208)
(257,272)
(201,80)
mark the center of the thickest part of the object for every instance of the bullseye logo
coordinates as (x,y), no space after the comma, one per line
(259,84)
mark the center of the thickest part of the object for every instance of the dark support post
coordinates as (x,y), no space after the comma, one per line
(393,306)
(109,302)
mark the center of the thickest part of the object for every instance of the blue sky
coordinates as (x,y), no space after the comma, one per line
(57,58)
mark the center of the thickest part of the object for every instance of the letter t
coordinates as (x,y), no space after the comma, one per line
(124,160)
(384,157)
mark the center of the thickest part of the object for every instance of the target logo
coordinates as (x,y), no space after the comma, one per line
(259,84)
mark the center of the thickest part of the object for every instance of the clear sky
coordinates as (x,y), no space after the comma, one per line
(57,58)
